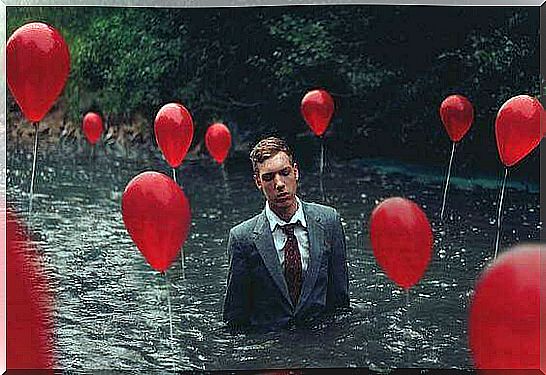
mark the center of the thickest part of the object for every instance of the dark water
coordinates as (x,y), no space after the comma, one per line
(111,308)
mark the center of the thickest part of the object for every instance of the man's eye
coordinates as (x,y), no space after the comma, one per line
(267,177)
(285,172)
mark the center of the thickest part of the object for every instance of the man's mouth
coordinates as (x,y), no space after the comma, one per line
(283,197)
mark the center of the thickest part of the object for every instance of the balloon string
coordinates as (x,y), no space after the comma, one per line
(322,168)
(170,315)
(447,181)
(182,253)
(407,305)
(321,155)
(407,308)
(375,293)
(182,264)
(225,177)
(407,327)
(36,125)
(499,214)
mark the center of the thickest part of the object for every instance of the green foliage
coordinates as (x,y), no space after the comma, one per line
(388,68)
(127,64)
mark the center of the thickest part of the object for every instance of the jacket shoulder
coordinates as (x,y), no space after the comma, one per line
(324,213)
(245,228)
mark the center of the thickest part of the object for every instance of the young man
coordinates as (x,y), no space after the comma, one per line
(288,263)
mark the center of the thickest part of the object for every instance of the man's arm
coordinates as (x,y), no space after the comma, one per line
(338,276)
(237,300)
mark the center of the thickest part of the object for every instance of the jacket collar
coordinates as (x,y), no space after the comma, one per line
(274,220)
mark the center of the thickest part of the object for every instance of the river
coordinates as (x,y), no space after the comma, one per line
(111,308)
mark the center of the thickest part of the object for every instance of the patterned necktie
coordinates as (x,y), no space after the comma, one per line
(292,263)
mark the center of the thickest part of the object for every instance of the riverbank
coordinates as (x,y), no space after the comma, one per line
(134,139)
(124,139)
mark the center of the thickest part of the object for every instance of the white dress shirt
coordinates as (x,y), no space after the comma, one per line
(300,231)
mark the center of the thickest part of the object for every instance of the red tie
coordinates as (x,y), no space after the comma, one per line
(292,263)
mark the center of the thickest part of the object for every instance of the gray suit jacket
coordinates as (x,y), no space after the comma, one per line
(257,294)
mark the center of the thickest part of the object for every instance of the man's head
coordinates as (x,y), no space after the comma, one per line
(276,174)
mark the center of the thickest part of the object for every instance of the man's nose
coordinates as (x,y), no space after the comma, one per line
(279,183)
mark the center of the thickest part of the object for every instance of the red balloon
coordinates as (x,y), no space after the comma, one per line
(38,63)
(218,141)
(504,324)
(92,127)
(401,239)
(28,303)
(517,128)
(173,132)
(317,108)
(543,123)
(457,114)
(157,215)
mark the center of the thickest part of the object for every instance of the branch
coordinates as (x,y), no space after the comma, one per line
(232,101)
(246,105)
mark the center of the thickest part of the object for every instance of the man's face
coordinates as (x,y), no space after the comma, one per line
(277,178)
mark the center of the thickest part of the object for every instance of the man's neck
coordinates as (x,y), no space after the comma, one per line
(287,213)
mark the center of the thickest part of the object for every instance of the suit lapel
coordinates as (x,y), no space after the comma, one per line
(263,239)
(316,234)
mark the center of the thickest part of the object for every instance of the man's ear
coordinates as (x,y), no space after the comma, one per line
(258,182)
(296,171)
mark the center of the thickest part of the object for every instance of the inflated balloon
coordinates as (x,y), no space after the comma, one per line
(504,324)
(218,141)
(173,129)
(401,239)
(38,63)
(517,128)
(92,127)
(457,114)
(543,122)
(157,216)
(29,303)
(317,108)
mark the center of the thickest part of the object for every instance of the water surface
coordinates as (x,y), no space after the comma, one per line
(111,308)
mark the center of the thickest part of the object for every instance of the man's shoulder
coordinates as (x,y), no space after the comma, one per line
(246,227)
(320,210)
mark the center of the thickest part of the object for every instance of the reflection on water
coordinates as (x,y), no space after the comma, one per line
(111,307)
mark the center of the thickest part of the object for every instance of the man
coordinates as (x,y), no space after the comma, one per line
(288,263)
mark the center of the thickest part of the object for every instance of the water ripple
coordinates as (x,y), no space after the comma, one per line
(111,308)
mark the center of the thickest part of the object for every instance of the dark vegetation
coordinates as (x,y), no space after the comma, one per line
(387,67)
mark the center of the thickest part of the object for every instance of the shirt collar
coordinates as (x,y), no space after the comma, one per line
(274,220)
